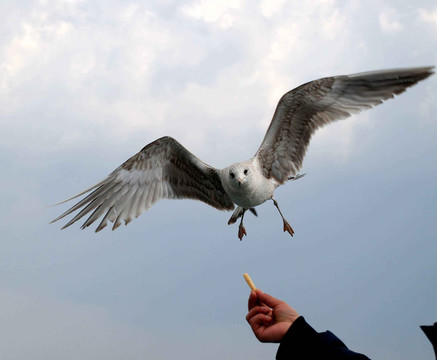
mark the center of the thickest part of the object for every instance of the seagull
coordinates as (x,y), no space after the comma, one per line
(165,169)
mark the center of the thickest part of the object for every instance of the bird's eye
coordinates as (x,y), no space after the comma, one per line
(231,174)
(245,172)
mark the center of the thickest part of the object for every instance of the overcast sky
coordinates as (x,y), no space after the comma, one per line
(86,84)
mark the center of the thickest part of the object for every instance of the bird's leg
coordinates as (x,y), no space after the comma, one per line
(241,229)
(287,226)
(238,212)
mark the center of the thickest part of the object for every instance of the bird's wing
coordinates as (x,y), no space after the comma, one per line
(164,169)
(301,111)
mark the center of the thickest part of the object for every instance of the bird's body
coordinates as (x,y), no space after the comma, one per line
(164,169)
(248,187)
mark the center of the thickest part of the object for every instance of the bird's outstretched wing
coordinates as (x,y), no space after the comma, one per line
(301,111)
(164,169)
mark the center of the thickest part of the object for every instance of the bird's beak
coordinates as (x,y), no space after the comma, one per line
(240,180)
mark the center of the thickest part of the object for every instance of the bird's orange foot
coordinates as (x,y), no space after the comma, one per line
(288,228)
(241,232)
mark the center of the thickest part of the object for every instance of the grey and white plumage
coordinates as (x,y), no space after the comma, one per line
(164,169)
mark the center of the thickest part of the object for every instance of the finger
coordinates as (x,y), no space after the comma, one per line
(259,302)
(260,320)
(253,300)
(258,310)
(269,300)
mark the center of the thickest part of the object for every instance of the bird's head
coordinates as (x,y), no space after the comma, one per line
(239,174)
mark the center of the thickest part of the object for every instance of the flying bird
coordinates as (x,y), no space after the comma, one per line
(164,169)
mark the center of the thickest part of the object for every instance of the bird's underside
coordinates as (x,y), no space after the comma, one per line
(164,169)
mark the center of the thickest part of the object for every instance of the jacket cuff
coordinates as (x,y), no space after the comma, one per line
(300,338)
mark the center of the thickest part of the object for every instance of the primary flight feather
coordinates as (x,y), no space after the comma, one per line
(164,169)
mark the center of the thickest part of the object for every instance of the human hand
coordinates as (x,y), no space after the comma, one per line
(269,318)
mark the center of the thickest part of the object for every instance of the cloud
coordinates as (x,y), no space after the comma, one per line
(131,71)
(389,21)
(219,12)
(428,16)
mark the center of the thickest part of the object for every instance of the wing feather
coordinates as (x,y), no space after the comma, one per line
(163,169)
(104,221)
(302,111)
(134,205)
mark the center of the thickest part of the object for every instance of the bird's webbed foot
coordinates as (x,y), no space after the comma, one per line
(241,231)
(288,228)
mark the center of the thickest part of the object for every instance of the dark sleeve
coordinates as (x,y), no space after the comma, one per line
(431,333)
(302,342)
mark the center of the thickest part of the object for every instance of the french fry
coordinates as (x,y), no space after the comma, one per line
(249,281)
